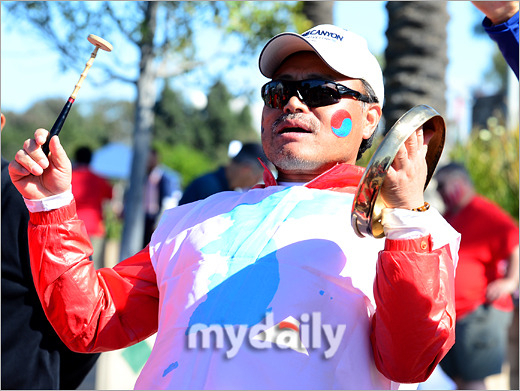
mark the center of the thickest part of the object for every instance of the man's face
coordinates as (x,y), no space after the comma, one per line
(302,141)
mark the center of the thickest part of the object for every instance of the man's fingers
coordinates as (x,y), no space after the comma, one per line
(31,159)
(40,136)
(400,158)
(420,137)
(16,171)
(409,149)
(415,142)
(31,152)
(25,158)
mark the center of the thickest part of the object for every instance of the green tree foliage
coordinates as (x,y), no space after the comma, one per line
(174,119)
(491,157)
(105,121)
(187,161)
(224,124)
(208,130)
(220,120)
(190,141)
(254,19)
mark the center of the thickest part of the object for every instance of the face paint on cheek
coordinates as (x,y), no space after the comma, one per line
(341,123)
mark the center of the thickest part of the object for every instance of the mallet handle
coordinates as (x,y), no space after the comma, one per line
(84,74)
(58,124)
(65,111)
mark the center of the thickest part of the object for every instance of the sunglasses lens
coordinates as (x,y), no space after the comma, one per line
(315,93)
(275,95)
(320,93)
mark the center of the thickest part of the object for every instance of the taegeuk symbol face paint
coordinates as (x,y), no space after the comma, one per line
(341,123)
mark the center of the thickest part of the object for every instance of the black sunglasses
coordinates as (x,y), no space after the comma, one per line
(312,92)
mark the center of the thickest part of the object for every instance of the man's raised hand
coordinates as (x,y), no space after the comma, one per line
(37,176)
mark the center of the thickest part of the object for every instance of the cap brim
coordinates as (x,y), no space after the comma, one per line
(278,49)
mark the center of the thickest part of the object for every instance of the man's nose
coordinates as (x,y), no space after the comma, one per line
(295,104)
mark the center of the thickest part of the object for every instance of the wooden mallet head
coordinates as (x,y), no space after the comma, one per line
(99,42)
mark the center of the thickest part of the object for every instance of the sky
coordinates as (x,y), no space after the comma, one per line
(30,68)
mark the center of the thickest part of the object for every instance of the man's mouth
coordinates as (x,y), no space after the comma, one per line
(294,130)
(296,124)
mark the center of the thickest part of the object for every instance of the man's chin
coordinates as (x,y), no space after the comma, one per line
(297,164)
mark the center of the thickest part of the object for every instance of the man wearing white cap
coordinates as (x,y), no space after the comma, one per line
(271,288)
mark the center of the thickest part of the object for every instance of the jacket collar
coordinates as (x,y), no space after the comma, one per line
(342,177)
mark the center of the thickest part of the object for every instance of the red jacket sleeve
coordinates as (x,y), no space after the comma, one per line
(92,311)
(414,324)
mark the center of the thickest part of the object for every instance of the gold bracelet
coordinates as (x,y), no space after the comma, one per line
(423,208)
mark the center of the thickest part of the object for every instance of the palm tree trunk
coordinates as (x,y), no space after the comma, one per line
(416,57)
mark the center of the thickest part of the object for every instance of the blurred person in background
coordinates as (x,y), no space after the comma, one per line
(91,191)
(487,276)
(243,171)
(162,192)
(33,356)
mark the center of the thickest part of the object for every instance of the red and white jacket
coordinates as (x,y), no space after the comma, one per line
(235,258)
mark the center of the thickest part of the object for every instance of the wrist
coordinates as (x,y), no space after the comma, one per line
(422,208)
(49,203)
(403,201)
(55,216)
(503,14)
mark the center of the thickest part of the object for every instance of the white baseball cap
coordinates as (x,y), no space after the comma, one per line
(342,50)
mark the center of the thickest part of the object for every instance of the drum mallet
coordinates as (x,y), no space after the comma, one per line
(98,43)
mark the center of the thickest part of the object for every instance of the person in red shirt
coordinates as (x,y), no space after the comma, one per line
(90,192)
(487,275)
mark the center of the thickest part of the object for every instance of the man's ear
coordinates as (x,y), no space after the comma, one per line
(2,117)
(372,116)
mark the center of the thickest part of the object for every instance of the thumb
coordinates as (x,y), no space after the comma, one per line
(58,156)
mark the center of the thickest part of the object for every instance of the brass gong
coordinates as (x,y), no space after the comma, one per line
(367,206)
